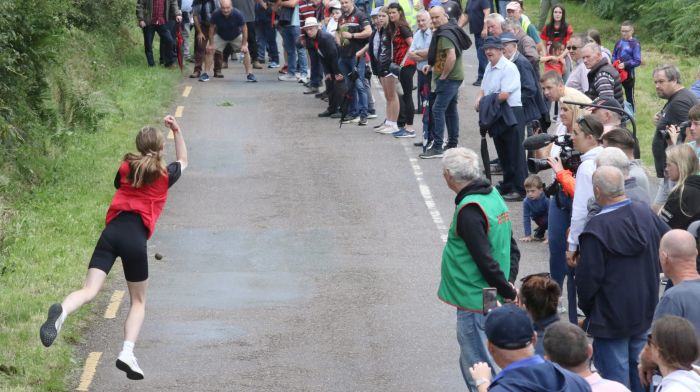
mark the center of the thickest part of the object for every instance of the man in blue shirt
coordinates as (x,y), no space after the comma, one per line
(502,78)
(511,342)
(228,27)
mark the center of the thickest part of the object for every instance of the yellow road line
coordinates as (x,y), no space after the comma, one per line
(113,306)
(186,93)
(179,110)
(89,371)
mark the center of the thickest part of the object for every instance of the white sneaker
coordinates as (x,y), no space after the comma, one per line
(387,130)
(49,330)
(303,79)
(287,78)
(127,363)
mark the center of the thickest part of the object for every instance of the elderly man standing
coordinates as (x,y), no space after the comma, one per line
(445,58)
(603,78)
(526,45)
(322,44)
(502,80)
(418,52)
(578,78)
(153,16)
(480,252)
(617,277)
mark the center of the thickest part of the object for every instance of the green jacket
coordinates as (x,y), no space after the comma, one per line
(144,10)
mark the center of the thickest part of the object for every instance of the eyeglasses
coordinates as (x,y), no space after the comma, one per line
(545,275)
(572,47)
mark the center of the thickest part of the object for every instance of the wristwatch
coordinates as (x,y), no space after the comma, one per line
(480,382)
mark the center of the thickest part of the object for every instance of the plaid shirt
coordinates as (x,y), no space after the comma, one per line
(158,17)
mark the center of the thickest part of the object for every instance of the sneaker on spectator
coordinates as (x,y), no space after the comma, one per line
(351,119)
(403,132)
(363,121)
(257,65)
(372,115)
(432,153)
(287,78)
(273,65)
(218,74)
(303,79)
(386,130)
(204,77)
(326,113)
(195,74)
(380,125)
(311,90)
(284,70)
(336,115)
(251,78)
(127,363)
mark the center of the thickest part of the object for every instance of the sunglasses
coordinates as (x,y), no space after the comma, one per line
(546,275)
(572,47)
(581,121)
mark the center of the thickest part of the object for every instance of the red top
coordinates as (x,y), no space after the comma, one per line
(158,12)
(147,201)
(556,35)
(401,46)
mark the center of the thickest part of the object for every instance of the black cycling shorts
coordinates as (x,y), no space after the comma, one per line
(124,237)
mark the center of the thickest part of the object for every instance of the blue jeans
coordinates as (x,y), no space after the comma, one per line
(167,43)
(266,37)
(358,107)
(617,359)
(480,55)
(472,344)
(559,218)
(502,7)
(290,36)
(445,112)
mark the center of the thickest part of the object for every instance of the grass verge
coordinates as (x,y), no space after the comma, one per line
(583,18)
(50,229)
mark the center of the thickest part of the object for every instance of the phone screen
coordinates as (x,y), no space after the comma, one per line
(490,300)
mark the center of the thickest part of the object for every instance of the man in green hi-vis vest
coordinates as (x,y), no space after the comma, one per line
(480,252)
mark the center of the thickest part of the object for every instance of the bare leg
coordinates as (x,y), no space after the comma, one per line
(392,100)
(137,310)
(246,62)
(93,283)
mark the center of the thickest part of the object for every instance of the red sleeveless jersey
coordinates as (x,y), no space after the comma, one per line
(147,201)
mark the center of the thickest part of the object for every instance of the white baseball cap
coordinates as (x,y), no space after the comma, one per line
(310,22)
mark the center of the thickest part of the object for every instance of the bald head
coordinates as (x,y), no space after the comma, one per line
(438,16)
(226,7)
(608,183)
(679,245)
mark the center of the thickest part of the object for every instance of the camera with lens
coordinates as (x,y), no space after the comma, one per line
(682,127)
(570,158)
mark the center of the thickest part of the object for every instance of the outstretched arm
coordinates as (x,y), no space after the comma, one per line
(180,147)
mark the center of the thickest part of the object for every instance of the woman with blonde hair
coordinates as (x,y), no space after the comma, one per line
(142,183)
(683,205)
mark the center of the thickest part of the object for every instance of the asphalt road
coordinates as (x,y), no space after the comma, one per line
(298,256)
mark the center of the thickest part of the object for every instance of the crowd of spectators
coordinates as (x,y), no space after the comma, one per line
(607,234)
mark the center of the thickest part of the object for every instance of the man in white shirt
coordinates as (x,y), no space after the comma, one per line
(578,78)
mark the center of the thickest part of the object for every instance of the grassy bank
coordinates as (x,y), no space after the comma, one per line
(582,18)
(56,197)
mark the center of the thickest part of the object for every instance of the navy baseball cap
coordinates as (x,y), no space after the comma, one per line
(493,42)
(509,327)
(508,37)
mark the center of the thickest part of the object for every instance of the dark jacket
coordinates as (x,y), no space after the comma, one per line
(472,228)
(495,116)
(540,326)
(540,377)
(144,10)
(380,66)
(327,50)
(683,209)
(454,33)
(617,276)
(604,80)
(534,106)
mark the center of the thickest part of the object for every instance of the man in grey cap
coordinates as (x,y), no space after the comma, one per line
(503,79)
(511,342)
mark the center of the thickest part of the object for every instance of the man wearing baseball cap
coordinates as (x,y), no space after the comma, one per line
(511,343)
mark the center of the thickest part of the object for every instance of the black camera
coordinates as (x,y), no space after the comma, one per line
(570,158)
(682,127)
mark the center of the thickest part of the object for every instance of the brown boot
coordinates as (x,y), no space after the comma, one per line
(257,65)
(195,74)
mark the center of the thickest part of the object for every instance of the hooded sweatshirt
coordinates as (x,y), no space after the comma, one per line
(680,381)
(617,276)
(537,375)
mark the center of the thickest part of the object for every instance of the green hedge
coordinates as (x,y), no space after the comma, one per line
(671,24)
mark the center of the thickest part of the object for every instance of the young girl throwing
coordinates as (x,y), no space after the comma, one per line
(142,184)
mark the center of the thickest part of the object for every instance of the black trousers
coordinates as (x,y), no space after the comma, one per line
(406,108)
(166,43)
(511,153)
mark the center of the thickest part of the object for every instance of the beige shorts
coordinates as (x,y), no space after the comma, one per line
(220,43)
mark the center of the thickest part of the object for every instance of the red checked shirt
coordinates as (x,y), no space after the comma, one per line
(158,15)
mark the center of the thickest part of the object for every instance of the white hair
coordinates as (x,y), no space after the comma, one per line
(462,164)
(609,180)
(613,156)
(497,18)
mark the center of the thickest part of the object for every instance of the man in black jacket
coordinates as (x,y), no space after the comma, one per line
(322,44)
(617,277)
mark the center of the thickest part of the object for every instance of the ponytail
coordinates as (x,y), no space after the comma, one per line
(148,165)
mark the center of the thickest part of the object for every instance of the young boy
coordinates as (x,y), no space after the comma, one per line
(535,207)
(628,56)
